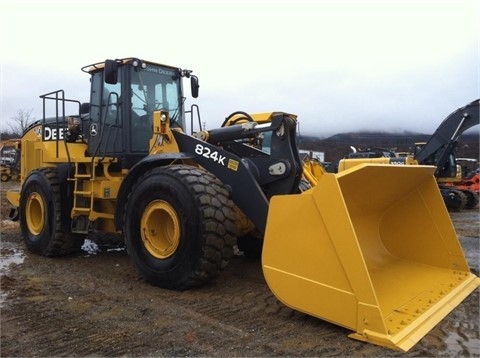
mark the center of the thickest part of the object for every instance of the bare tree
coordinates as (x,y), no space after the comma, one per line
(21,121)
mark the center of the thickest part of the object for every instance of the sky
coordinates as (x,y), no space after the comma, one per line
(339,65)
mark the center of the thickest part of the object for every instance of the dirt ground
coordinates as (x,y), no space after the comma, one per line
(95,304)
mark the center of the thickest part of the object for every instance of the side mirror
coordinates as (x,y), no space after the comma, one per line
(85,108)
(110,72)
(194,85)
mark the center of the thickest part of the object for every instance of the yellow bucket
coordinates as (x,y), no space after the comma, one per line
(371,249)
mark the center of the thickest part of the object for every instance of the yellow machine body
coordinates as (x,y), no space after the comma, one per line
(371,249)
(345,164)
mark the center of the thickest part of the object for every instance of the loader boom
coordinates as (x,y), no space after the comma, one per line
(246,169)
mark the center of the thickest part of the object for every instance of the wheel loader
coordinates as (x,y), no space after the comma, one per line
(126,162)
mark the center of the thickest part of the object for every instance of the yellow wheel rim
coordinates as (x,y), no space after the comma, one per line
(160,229)
(35,213)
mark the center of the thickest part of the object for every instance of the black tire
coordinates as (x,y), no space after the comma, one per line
(304,185)
(454,199)
(41,216)
(472,199)
(179,226)
(5,177)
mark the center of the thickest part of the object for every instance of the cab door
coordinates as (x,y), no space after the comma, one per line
(105,130)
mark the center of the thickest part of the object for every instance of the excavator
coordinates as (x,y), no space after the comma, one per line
(132,161)
(439,151)
(470,175)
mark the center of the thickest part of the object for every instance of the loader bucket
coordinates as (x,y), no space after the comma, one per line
(371,249)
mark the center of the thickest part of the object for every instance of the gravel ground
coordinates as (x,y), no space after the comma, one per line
(94,304)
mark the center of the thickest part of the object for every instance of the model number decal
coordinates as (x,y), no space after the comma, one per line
(216,157)
(207,153)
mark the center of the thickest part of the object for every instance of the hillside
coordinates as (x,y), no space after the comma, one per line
(337,146)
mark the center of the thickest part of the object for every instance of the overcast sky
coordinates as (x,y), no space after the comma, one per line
(339,65)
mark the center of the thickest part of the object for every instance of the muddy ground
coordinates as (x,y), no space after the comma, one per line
(95,304)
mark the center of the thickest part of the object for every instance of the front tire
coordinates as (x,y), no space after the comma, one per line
(41,215)
(179,226)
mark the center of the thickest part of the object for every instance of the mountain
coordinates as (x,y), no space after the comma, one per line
(338,145)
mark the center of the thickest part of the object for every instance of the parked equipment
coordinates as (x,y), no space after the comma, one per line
(338,251)
(374,156)
(5,172)
(9,161)
(440,152)
(470,175)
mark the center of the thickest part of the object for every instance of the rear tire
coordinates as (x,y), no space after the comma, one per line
(179,226)
(41,215)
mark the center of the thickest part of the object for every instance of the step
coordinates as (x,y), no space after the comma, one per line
(81,210)
(82,176)
(78,192)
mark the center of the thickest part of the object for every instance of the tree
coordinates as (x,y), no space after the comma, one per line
(21,121)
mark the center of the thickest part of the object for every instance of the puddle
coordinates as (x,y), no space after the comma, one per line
(9,255)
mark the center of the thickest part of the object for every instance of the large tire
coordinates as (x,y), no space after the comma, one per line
(5,177)
(472,199)
(41,215)
(179,226)
(454,199)
(304,185)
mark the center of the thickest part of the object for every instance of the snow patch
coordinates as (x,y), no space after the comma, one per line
(90,247)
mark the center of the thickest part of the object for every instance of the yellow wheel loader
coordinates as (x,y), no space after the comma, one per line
(126,163)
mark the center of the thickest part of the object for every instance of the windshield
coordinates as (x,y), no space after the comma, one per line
(156,88)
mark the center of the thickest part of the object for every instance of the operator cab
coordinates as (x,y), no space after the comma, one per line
(124,95)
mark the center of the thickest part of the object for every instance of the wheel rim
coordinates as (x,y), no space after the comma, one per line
(35,213)
(160,229)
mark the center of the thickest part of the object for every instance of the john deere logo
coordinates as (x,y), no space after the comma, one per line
(93,129)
